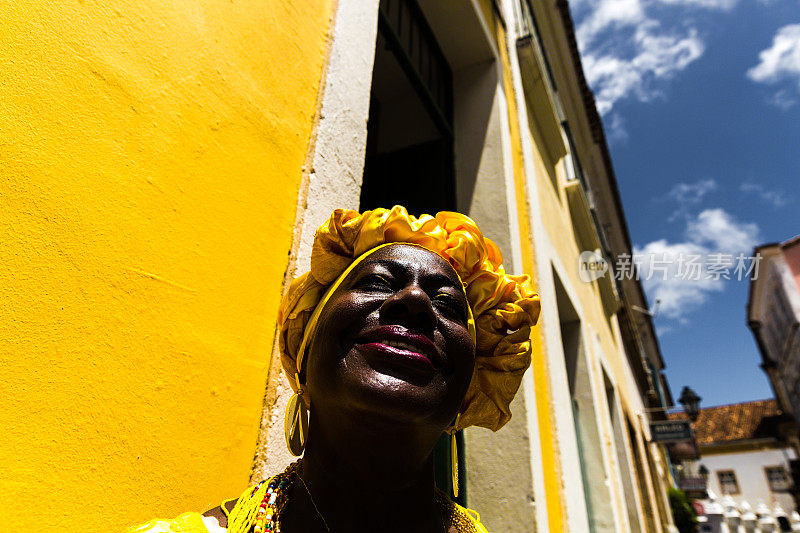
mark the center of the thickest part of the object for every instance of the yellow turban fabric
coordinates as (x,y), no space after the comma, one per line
(504,306)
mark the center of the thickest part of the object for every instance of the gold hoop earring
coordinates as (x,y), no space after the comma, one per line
(295,423)
(454,454)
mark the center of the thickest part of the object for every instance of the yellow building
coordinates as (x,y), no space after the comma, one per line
(164,166)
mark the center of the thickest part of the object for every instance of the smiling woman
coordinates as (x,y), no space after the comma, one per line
(393,343)
(403,330)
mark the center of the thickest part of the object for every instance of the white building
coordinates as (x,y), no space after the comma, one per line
(742,455)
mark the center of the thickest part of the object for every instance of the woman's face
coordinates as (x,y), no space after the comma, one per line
(393,341)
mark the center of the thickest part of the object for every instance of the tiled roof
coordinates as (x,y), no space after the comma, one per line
(791,242)
(738,421)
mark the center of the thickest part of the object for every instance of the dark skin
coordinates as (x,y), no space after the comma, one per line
(386,374)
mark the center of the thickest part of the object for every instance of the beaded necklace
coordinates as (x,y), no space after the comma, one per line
(259,509)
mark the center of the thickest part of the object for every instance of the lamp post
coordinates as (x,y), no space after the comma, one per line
(690,402)
(691,406)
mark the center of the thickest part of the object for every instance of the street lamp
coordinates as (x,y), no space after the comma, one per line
(691,403)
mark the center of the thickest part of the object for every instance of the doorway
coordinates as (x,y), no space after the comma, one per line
(409,158)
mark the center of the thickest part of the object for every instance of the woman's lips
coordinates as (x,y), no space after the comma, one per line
(395,352)
(397,342)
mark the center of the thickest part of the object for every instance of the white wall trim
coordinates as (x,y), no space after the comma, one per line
(572,479)
(340,147)
(528,385)
(334,180)
(609,452)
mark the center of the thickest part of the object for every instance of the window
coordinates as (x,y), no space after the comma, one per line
(727,482)
(777,478)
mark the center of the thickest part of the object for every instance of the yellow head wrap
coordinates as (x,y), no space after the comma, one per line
(504,306)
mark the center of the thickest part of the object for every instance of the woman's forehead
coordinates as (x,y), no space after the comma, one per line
(412,258)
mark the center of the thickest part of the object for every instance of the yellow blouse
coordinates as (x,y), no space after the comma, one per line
(185,523)
(197,523)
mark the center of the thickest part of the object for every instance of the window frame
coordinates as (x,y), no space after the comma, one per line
(722,485)
(787,480)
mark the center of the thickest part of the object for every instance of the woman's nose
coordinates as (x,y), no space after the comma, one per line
(410,307)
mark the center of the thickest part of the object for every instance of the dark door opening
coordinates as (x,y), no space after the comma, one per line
(410,159)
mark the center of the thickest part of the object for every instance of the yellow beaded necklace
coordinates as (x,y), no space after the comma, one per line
(259,508)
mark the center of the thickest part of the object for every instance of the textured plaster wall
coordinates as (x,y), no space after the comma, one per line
(151,158)
(568,489)
(552,510)
(334,182)
(556,250)
(499,479)
(499,476)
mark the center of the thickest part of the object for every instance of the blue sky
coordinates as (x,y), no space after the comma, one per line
(701,103)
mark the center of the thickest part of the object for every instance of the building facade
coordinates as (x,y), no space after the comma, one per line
(773,315)
(166,175)
(743,455)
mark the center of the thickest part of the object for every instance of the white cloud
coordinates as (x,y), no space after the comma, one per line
(659,263)
(609,14)
(708,4)
(720,232)
(691,193)
(667,268)
(775,198)
(783,100)
(781,61)
(657,57)
(628,53)
(615,129)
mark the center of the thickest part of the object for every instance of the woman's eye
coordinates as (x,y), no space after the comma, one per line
(450,305)
(375,281)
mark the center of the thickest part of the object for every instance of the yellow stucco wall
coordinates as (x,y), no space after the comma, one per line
(555,214)
(151,155)
(548,444)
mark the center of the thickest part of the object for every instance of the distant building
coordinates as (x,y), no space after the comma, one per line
(773,314)
(743,454)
